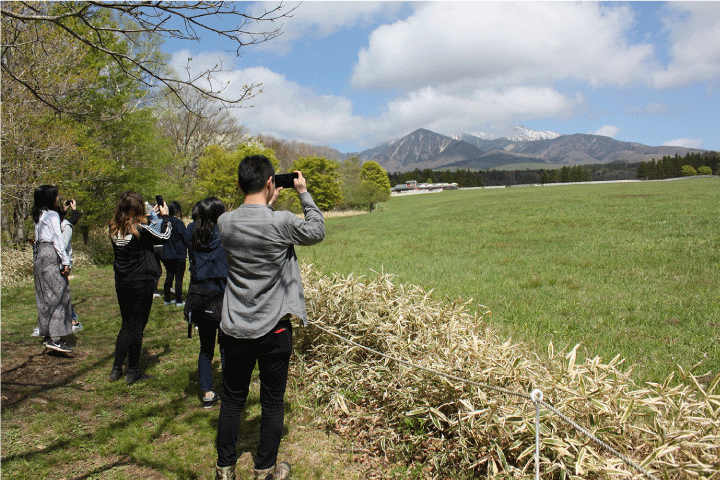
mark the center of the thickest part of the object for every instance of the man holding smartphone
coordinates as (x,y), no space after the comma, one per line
(264,289)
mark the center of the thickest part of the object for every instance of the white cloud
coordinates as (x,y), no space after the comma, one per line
(694,29)
(450,109)
(501,43)
(316,19)
(289,110)
(607,131)
(684,142)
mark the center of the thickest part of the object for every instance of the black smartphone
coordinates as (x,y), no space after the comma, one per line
(159,200)
(285,180)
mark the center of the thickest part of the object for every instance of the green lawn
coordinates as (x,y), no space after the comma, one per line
(625,268)
(628,268)
(63,419)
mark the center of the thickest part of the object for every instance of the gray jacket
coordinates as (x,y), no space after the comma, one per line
(264,283)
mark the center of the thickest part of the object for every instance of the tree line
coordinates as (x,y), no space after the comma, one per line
(466,178)
(706,163)
(91,105)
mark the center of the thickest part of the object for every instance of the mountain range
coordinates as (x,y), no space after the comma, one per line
(423,149)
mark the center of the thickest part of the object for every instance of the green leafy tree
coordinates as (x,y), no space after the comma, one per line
(70,118)
(322,177)
(217,172)
(688,171)
(704,170)
(375,184)
(351,183)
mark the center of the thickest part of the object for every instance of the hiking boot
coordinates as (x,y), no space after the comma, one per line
(58,346)
(225,473)
(280,471)
(136,376)
(115,373)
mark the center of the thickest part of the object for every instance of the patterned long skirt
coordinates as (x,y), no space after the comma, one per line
(52,293)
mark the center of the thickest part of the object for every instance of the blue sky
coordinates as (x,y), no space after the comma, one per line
(351,75)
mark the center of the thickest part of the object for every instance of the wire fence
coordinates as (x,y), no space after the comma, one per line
(536,397)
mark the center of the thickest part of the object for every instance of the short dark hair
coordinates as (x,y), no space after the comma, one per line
(253,172)
(174,209)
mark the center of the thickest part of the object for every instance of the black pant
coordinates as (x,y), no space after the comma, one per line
(135,299)
(272,354)
(174,269)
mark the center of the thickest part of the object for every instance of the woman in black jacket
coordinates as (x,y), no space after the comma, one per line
(208,277)
(174,255)
(137,270)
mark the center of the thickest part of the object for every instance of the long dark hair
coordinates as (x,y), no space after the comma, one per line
(45,197)
(208,212)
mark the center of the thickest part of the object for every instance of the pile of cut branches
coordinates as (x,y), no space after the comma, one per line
(453,429)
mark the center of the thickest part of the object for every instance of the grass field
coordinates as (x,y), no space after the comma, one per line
(628,268)
(625,268)
(63,419)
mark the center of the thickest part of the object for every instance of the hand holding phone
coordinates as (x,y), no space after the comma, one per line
(285,180)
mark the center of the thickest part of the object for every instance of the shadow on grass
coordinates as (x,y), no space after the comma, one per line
(38,374)
(168,412)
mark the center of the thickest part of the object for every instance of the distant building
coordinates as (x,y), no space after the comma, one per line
(411,186)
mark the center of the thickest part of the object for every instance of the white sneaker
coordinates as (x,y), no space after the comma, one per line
(77,327)
(35,332)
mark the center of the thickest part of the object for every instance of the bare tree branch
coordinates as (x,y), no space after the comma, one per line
(85,24)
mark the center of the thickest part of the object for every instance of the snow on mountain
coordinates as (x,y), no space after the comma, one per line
(516,134)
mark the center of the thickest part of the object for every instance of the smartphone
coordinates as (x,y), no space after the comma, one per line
(159,200)
(285,180)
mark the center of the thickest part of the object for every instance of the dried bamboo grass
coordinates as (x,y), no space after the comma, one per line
(457,430)
(17,265)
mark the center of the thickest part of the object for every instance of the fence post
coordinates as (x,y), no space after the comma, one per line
(537,397)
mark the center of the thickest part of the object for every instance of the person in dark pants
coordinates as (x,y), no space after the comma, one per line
(264,289)
(174,255)
(208,278)
(133,237)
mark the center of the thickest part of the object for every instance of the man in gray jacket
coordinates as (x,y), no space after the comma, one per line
(264,290)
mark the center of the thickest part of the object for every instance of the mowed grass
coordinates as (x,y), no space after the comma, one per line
(624,268)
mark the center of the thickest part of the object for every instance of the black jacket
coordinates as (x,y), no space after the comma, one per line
(176,248)
(135,256)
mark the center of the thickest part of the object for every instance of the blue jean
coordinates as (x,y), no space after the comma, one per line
(207,330)
(272,354)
